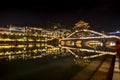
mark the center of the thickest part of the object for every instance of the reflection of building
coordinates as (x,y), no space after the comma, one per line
(29,51)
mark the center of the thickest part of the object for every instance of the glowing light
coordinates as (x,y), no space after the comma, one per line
(78,44)
(112,44)
(117,31)
(93,43)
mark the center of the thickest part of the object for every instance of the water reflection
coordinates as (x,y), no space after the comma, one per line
(81,57)
(43,62)
(28,51)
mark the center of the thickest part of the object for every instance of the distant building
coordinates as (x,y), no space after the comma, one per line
(117,33)
(16,29)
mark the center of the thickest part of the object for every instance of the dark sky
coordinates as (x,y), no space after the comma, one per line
(100,14)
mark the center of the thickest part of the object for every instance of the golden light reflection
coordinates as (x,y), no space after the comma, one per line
(78,44)
(62,43)
(110,44)
(19,50)
(93,43)
(90,50)
(69,43)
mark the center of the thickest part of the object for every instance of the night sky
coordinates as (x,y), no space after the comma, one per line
(102,15)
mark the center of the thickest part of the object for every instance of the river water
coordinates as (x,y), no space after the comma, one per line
(42,62)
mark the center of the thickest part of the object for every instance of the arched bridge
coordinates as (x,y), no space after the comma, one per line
(90,40)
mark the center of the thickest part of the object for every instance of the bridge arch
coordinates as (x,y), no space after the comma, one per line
(107,42)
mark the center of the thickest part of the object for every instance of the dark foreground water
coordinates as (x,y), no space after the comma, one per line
(42,63)
(46,68)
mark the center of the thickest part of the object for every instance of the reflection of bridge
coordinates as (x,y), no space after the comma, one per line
(90,40)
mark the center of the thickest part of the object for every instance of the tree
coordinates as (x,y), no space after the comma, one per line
(81,25)
(56,26)
(53,26)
